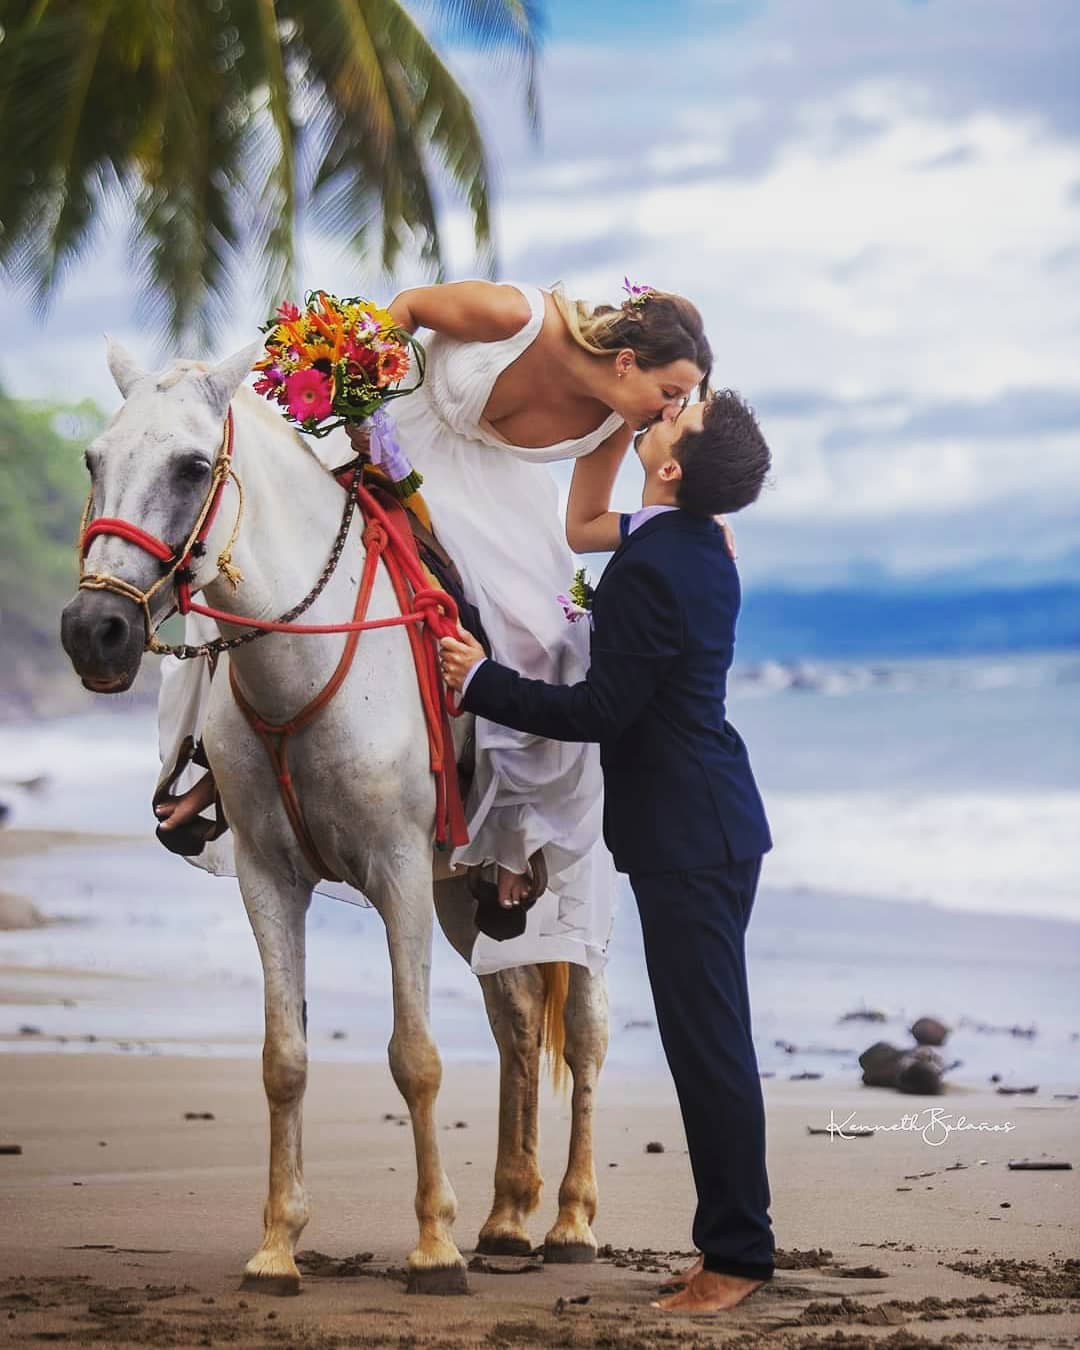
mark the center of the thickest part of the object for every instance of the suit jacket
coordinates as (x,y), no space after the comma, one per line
(678,790)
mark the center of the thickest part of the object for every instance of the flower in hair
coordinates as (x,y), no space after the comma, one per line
(636,295)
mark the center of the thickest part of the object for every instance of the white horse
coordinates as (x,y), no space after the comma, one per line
(362,774)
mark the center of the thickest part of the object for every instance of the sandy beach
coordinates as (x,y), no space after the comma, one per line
(126,1223)
(132,999)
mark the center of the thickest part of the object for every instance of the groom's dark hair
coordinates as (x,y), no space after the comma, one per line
(724,465)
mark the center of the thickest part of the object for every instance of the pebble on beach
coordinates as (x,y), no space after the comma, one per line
(919,1071)
(930,1031)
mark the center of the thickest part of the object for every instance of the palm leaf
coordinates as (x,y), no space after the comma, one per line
(430,116)
(187,241)
(217,122)
(74,81)
(514,25)
(270,193)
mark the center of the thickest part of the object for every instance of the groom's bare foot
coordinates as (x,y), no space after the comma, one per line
(513,887)
(683,1278)
(709,1291)
(187,805)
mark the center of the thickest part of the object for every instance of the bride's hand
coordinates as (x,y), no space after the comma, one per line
(729,535)
(360,437)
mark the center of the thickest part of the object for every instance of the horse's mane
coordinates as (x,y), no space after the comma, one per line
(252,403)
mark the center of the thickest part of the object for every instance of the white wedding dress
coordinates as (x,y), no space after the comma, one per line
(495,508)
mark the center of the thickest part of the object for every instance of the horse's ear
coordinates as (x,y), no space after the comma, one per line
(226,377)
(125,369)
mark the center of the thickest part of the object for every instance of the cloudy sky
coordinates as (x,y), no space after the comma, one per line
(875,204)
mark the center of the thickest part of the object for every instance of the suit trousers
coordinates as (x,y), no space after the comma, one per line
(694,925)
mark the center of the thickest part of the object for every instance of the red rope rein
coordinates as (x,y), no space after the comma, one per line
(387,538)
(427,614)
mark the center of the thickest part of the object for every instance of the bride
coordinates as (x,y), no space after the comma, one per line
(517,378)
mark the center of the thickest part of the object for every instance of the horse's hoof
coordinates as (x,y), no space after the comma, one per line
(441,1280)
(281,1286)
(568,1254)
(495,1244)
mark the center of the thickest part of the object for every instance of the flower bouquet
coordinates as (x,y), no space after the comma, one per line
(338,362)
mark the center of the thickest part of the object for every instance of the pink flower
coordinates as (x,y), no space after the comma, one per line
(287,310)
(310,395)
(269,381)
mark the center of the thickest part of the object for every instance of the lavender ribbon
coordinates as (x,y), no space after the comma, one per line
(385,450)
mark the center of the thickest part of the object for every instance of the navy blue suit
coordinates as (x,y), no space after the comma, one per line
(683,817)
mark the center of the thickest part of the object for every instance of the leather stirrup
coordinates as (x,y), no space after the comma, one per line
(189,839)
(491,917)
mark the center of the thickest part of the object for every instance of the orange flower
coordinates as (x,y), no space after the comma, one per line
(393,365)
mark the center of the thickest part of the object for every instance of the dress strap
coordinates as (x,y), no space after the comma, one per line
(461,376)
(525,337)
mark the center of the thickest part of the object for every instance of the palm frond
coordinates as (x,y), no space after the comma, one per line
(269,190)
(219,120)
(75,82)
(188,242)
(515,25)
(431,115)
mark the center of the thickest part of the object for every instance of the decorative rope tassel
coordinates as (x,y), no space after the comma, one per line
(228,569)
(226,566)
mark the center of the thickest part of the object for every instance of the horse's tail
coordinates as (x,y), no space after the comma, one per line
(553,1028)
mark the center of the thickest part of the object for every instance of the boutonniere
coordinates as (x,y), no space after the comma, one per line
(577,604)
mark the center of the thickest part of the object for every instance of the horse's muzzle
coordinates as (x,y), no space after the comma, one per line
(104,636)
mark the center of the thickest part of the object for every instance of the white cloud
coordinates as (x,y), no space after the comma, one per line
(874,203)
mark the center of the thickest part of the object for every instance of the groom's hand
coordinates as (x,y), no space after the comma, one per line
(457,656)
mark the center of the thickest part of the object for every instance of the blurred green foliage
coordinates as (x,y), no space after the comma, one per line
(43,486)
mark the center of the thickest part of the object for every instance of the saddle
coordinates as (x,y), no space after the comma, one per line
(438,564)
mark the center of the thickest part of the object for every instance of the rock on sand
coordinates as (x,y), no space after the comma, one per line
(18,912)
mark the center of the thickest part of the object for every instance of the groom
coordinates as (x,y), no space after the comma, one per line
(682,814)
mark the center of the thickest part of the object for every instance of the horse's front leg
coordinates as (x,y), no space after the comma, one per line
(405,902)
(277,908)
(586,1019)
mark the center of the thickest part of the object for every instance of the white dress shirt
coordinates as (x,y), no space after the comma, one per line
(639,517)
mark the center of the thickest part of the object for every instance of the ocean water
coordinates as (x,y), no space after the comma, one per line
(925,863)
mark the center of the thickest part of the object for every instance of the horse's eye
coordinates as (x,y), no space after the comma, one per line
(193,469)
(89,462)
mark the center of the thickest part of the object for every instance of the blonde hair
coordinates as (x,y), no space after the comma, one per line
(659,329)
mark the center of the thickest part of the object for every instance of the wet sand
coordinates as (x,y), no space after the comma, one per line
(124,1223)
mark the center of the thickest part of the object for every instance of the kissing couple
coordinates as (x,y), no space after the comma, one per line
(519,377)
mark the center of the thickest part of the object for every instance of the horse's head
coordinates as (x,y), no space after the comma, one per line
(152,468)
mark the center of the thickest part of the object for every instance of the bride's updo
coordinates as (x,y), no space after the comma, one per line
(659,327)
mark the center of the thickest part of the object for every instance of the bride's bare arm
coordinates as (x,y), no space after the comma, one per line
(470,311)
(591,525)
